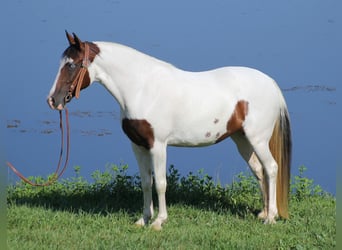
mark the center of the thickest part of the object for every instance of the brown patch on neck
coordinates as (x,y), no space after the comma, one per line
(93,51)
(236,120)
(139,132)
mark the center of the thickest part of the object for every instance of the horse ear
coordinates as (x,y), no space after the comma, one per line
(70,38)
(77,42)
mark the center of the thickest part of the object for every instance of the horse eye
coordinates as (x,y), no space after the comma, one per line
(72,66)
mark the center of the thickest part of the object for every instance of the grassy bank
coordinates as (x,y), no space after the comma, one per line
(76,214)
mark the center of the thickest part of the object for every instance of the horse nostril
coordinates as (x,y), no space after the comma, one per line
(51,102)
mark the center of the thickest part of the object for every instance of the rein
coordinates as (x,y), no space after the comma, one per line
(56,174)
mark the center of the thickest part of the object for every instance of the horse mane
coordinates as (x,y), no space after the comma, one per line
(73,51)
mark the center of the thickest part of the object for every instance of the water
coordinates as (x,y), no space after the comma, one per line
(297,43)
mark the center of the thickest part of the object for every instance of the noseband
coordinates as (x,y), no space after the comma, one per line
(77,83)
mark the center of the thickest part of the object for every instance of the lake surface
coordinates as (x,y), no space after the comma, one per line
(298,43)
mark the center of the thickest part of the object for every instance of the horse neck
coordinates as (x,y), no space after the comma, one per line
(123,70)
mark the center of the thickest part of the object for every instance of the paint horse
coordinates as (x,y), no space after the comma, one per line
(162,105)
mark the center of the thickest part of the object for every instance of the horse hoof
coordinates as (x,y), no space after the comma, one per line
(262,215)
(270,221)
(140,223)
(156,226)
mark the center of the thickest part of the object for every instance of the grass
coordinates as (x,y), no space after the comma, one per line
(76,214)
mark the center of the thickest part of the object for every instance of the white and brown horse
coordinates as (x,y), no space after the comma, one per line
(162,105)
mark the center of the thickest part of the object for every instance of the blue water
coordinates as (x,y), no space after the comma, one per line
(298,43)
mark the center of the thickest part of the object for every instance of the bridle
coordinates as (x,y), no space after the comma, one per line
(77,83)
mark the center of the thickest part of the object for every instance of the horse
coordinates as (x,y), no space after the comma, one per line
(162,105)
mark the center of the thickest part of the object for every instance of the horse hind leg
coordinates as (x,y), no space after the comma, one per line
(270,169)
(248,154)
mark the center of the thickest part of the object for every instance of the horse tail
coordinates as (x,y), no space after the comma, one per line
(281,146)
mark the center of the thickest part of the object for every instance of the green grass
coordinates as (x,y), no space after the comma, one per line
(76,214)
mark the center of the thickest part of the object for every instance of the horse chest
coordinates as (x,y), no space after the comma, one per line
(139,132)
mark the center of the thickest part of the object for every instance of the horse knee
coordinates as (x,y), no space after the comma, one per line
(271,170)
(161,185)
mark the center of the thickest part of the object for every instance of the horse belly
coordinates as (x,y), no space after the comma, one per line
(199,133)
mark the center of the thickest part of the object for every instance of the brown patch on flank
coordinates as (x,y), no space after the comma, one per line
(236,120)
(139,132)
(208,134)
(216,121)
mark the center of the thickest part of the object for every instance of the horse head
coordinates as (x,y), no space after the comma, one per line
(73,74)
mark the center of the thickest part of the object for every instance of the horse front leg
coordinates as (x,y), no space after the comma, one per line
(158,153)
(143,157)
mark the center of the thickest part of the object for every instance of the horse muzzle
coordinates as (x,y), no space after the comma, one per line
(54,105)
(58,103)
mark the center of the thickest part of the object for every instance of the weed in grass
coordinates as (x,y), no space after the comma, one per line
(303,187)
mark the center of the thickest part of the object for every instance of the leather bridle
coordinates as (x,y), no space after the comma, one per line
(77,83)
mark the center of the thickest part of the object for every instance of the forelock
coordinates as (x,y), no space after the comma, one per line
(71,52)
